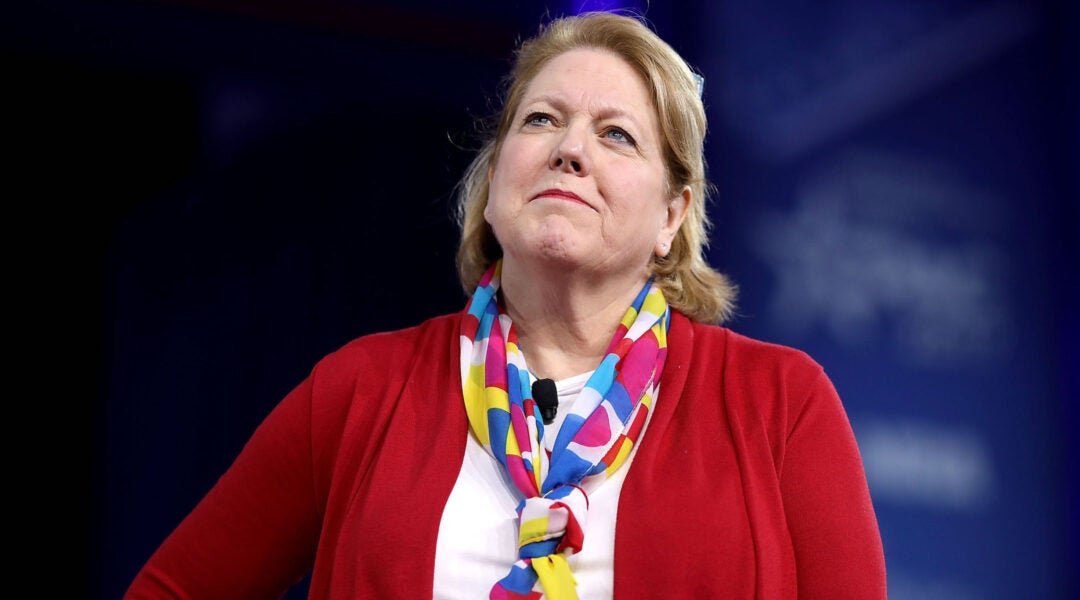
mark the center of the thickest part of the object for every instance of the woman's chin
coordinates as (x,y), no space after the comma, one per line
(554,246)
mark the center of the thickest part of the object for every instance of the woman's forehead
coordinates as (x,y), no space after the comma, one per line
(599,81)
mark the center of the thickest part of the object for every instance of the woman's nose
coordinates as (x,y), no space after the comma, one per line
(569,154)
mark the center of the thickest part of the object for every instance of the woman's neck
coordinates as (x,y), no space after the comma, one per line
(565,322)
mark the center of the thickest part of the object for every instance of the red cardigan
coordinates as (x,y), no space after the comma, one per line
(747,484)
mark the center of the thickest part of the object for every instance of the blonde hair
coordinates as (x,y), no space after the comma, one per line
(689,283)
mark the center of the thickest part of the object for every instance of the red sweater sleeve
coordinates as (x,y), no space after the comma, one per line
(255,533)
(838,550)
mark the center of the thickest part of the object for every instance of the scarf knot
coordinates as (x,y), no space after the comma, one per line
(552,523)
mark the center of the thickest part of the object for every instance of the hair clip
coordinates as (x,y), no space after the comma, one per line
(700,85)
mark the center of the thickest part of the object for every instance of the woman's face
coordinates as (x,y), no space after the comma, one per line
(580,180)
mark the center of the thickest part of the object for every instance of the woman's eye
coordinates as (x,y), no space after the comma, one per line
(538,119)
(618,135)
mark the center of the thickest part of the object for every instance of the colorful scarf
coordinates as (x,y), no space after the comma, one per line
(593,441)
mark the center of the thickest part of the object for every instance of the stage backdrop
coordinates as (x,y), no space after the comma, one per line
(890,199)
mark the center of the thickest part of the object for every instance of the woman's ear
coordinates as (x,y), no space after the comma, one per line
(673,218)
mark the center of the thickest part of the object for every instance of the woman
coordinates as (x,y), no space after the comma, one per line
(682,459)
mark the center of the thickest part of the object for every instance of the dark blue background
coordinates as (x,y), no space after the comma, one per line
(219,193)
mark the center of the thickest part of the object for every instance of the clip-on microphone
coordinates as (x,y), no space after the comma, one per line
(547,399)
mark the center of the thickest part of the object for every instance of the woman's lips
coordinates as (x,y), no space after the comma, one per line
(565,195)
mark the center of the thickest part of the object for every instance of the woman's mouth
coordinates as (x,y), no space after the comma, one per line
(561,194)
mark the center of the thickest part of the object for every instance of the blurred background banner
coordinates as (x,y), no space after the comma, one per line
(242,187)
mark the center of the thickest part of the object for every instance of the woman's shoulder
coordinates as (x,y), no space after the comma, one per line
(774,381)
(743,352)
(381,341)
(383,351)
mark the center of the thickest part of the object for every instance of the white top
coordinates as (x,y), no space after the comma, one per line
(478,534)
